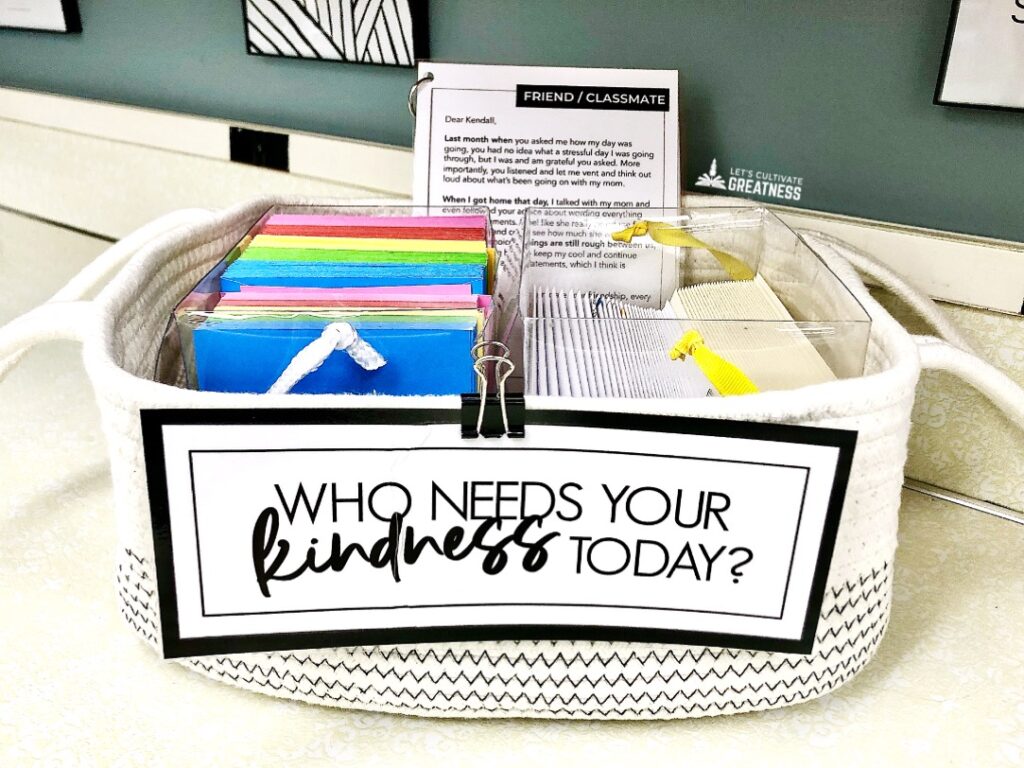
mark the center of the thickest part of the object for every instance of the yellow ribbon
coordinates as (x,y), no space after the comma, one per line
(668,234)
(723,375)
(492,268)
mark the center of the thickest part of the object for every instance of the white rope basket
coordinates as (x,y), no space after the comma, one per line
(122,330)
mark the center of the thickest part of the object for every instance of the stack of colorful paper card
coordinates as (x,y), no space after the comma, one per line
(412,288)
(347,251)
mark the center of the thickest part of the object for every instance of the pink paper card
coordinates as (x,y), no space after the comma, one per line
(396,296)
(418,222)
(458,289)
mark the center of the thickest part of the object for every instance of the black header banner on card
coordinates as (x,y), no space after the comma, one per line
(592,97)
(279,529)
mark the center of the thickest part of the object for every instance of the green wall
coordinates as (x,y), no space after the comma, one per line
(838,93)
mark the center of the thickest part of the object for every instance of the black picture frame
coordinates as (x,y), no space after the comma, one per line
(937,99)
(418,10)
(72,21)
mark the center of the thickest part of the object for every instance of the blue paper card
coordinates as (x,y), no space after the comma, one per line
(423,357)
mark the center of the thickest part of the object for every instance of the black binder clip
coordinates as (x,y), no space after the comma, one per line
(493,415)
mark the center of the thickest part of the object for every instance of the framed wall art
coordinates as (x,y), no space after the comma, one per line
(983,62)
(41,15)
(388,32)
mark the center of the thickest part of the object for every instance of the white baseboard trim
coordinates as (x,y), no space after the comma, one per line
(116,122)
(377,168)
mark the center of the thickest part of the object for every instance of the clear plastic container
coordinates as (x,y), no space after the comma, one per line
(602,314)
(411,295)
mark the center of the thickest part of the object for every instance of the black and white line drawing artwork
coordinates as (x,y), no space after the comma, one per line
(390,32)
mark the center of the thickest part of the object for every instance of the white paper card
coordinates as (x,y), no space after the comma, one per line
(280,529)
(510,137)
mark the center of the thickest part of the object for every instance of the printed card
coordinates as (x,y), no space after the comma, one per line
(510,137)
(286,529)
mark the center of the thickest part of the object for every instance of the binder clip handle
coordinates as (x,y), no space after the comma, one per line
(479,415)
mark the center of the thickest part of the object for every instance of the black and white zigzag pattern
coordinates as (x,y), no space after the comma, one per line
(370,31)
(550,679)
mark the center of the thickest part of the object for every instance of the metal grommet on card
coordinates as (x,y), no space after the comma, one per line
(428,77)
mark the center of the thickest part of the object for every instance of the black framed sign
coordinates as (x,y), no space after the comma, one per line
(298,528)
(41,15)
(389,32)
(983,61)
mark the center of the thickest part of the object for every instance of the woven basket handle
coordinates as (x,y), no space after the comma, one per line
(67,314)
(939,355)
(948,350)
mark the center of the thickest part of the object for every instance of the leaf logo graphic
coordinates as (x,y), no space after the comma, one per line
(711,178)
